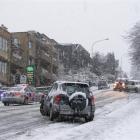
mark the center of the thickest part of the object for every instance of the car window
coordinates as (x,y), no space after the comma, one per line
(55,86)
(27,89)
(15,89)
(70,88)
(5,88)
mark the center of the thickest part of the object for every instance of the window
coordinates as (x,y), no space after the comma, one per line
(0,43)
(55,86)
(70,88)
(3,44)
(30,45)
(16,42)
(3,67)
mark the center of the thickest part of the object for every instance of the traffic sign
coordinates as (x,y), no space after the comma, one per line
(23,79)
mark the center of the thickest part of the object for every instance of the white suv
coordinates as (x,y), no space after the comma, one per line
(132,85)
(69,99)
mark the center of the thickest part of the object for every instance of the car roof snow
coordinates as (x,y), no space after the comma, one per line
(73,82)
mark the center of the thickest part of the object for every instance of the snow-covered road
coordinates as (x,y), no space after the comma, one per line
(116,117)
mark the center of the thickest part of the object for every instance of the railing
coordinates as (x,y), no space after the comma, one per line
(4,55)
(45,56)
(3,77)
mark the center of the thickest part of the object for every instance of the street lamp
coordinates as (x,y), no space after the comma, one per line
(98,41)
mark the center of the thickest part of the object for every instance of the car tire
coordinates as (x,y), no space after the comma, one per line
(136,90)
(89,118)
(51,115)
(43,113)
(25,101)
(6,104)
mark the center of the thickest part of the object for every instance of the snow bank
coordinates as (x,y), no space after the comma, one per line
(116,121)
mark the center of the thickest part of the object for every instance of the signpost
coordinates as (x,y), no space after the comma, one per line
(30,74)
(23,79)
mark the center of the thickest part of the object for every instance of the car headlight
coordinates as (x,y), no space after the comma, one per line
(123,85)
(2,95)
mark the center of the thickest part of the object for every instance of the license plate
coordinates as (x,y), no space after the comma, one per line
(65,108)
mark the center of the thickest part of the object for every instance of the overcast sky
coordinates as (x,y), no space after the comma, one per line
(76,21)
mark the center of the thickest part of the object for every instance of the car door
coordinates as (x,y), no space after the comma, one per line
(49,99)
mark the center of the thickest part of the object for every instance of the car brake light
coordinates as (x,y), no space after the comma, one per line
(17,94)
(57,99)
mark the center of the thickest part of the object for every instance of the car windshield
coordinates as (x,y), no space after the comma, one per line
(70,88)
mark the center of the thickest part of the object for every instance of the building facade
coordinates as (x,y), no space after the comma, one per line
(73,56)
(34,49)
(5,49)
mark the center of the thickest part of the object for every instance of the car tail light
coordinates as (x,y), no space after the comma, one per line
(57,99)
(17,94)
(92,100)
(123,84)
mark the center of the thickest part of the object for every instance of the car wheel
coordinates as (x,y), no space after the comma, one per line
(6,104)
(136,90)
(43,113)
(26,101)
(89,118)
(51,116)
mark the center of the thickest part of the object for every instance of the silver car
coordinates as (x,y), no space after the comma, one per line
(132,85)
(19,94)
(69,99)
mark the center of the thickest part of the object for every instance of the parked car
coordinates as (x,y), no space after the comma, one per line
(19,94)
(133,85)
(69,99)
(2,90)
(102,84)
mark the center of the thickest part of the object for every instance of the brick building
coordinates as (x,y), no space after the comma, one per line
(34,48)
(5,41)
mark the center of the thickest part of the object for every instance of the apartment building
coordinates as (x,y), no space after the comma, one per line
(73,56)
(5,48)
(35,49)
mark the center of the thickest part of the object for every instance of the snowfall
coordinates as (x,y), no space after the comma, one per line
(119,120)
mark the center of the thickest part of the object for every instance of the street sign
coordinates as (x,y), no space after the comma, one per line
(30,71)
(23,79)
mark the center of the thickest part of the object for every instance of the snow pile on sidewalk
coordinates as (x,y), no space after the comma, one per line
(117,121)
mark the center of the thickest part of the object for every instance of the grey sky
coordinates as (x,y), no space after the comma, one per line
(76,21)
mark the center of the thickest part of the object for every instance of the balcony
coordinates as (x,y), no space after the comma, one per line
(45,73)
(17,60)
(45,56)
(3,77)
(32,52)
(4,55)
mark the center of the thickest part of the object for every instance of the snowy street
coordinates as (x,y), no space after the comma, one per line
(113,112)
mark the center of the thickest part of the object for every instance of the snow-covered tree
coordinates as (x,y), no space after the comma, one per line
(134,38)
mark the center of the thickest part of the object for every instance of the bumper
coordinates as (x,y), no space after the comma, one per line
(65,110)
(13,100)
